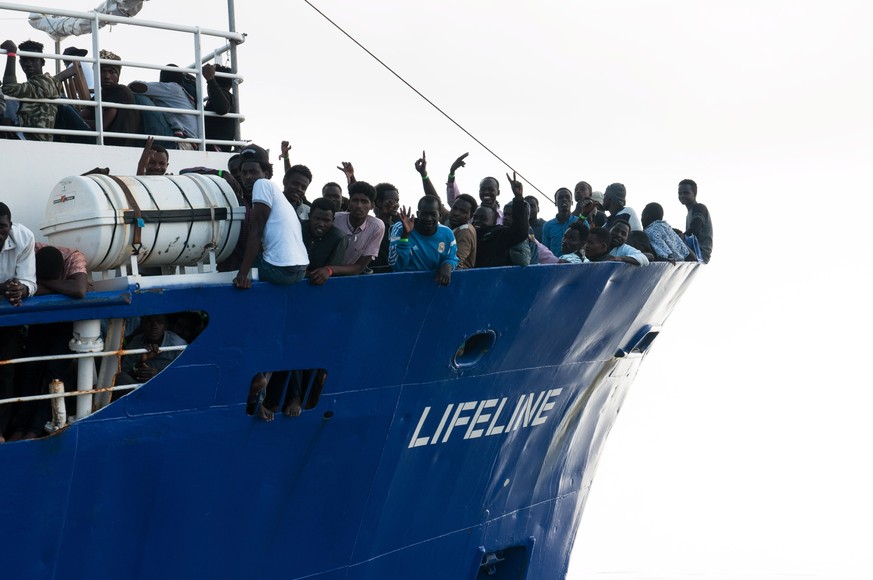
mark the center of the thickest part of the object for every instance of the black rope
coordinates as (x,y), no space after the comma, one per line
(431,103)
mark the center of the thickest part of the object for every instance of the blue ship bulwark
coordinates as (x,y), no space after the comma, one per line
(409,465)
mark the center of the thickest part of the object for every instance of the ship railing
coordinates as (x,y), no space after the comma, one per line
(85,389)
(119,353)
(232,39)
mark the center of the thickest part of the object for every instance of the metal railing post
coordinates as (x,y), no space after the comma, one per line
(86,339)
(201,118)
(109,367)
(98,89)
(231,26)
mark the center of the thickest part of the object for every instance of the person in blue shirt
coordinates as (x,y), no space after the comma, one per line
(423,244)
(553,230)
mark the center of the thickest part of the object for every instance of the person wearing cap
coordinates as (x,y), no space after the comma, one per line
(39,85)
(614,202)
(591,209)
(274,226)
(87,69)
(111,91)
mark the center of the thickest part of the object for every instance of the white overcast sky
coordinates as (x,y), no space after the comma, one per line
(742,450)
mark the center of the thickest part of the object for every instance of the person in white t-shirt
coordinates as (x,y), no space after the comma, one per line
(274,226)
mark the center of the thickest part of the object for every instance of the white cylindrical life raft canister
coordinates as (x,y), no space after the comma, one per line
(167,220)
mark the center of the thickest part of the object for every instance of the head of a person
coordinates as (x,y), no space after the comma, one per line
(295,182)
(5,223)
(321,214)
(428,217)
(651,213)
(640,240)
(508,218)
(574,238)
(362,195)
(687,192)
(188,325)
(49,263)
(618,232)
(484,217)
(31,65)
(172,76)
(223,82)
(153,328)
(333,192)
(233,165)
(254,165)
(225,175)
(109,73)
(534,206)
(597,244)
(73,51)
(590,204)
(387,200)
(489,189)
(235,185)
(462,210)
(614,198)
(597,199)
(581,191)
(564,200)
(158,162)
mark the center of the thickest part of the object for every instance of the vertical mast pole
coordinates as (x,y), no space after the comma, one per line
(231,26)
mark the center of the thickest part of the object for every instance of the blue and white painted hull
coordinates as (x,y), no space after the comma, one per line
(175,480)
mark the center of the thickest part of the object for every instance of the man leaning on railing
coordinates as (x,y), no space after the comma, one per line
(17,282)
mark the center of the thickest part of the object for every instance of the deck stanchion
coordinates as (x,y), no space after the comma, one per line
(86,338)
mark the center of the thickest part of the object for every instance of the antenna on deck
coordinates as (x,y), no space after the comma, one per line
(431,103)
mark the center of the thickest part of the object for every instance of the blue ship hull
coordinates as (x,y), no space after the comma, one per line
(409,465)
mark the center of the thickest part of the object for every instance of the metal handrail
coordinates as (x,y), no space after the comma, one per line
(71,394)
(137,136)
(70,356)
(76,355)
(80,103)
(233,39)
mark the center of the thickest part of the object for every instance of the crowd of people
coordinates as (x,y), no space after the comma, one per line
(338,236)
(288,237)
(175,89)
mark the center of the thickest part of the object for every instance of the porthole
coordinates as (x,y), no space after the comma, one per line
(474,349)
